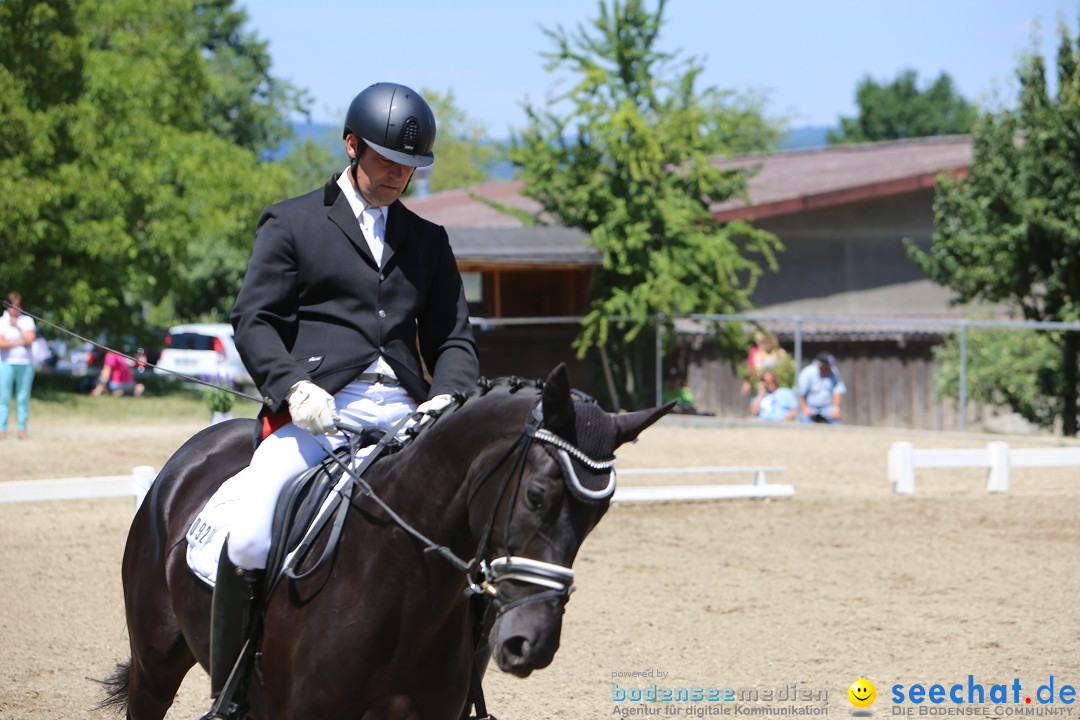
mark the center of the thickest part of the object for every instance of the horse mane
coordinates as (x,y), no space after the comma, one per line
(515,383)
(485,385)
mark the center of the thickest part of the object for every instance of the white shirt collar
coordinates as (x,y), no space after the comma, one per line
(355,199)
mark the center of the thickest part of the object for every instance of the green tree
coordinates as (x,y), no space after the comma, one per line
(898,110)
(244,102)
(630,161)
(1020,369)
(463,151)
(118,178)
(1010,232)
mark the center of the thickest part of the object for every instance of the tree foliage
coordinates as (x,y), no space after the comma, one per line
(626,154)
(1019,369)
(898,110)
(1010,232)
(130,142)
(244,102)
(463,151)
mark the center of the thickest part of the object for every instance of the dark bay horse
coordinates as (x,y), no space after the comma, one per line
(515,474)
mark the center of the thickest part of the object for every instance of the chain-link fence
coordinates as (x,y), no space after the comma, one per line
(920,373)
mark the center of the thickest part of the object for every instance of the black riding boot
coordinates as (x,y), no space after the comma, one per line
(232,611)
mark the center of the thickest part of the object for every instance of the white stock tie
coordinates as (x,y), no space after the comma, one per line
(375,227)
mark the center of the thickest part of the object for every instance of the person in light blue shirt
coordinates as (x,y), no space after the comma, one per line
(820,391)
(772,401)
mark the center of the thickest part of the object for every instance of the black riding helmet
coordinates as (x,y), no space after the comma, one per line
(395,122)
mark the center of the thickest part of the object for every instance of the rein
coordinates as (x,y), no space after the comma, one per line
(481,577)
(101,346)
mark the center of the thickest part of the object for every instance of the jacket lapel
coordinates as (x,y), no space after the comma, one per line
(394,237)
(340,213)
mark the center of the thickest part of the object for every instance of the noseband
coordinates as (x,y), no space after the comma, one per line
(557,581)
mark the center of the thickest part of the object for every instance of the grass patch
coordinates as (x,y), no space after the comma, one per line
(61,397)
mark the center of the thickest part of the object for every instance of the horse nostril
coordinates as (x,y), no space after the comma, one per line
(517,647)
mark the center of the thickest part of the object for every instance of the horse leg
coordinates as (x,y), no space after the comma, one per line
(160,656)
(154,679)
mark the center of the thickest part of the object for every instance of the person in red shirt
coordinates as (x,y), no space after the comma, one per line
(117,378)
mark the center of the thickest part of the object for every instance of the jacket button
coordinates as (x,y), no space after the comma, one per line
(382,313)
(382,276)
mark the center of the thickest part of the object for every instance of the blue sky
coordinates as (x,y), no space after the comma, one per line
(807,55)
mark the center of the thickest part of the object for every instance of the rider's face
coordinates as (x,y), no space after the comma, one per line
(378,180)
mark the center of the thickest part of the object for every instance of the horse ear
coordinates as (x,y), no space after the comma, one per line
(630,425)
(556,401)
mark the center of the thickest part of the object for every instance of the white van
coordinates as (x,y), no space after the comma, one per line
(205,351)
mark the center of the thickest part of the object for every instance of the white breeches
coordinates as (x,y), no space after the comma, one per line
(290,451)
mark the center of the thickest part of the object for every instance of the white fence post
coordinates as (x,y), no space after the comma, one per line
(902,468)
(997,478)
(142,476)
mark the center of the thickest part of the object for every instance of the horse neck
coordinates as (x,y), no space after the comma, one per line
(433,477)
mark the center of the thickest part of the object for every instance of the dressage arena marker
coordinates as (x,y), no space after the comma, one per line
(136,484)
(685,493)
(997,458)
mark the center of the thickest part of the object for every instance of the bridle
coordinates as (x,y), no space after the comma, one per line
(556,581)
(482,577)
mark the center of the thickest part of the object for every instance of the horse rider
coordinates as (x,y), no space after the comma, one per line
(346,290)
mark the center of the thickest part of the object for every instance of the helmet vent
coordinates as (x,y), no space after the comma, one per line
(409,139)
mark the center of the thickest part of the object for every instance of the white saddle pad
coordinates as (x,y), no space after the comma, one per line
(208,532)
(212,525)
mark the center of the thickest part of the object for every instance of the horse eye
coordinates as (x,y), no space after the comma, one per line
(534,497)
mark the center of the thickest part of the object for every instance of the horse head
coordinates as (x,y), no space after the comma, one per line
(556,492)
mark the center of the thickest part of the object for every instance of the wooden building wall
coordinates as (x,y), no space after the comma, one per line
(533,351)
(531,291)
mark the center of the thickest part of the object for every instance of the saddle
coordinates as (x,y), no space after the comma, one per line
(302,498)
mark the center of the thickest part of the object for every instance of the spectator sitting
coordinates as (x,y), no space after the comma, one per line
(766,354)
(820,390)
(773,402)
(117,378)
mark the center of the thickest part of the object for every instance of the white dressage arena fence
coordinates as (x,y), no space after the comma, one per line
(134,485)
(138,483)
(759,488)
(997,458)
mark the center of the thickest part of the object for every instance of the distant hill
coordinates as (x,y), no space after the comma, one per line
(322,133)
(804,138)
(800,138)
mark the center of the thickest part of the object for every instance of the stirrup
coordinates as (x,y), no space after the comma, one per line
(231,701)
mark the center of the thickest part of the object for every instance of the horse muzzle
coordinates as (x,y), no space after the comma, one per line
(529,624)
(526,637)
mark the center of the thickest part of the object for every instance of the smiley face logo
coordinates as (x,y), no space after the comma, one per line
(862,693)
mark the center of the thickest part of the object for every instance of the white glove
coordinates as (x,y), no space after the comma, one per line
(312,408)
(434,405)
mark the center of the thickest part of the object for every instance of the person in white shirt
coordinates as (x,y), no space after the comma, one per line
(17,333)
